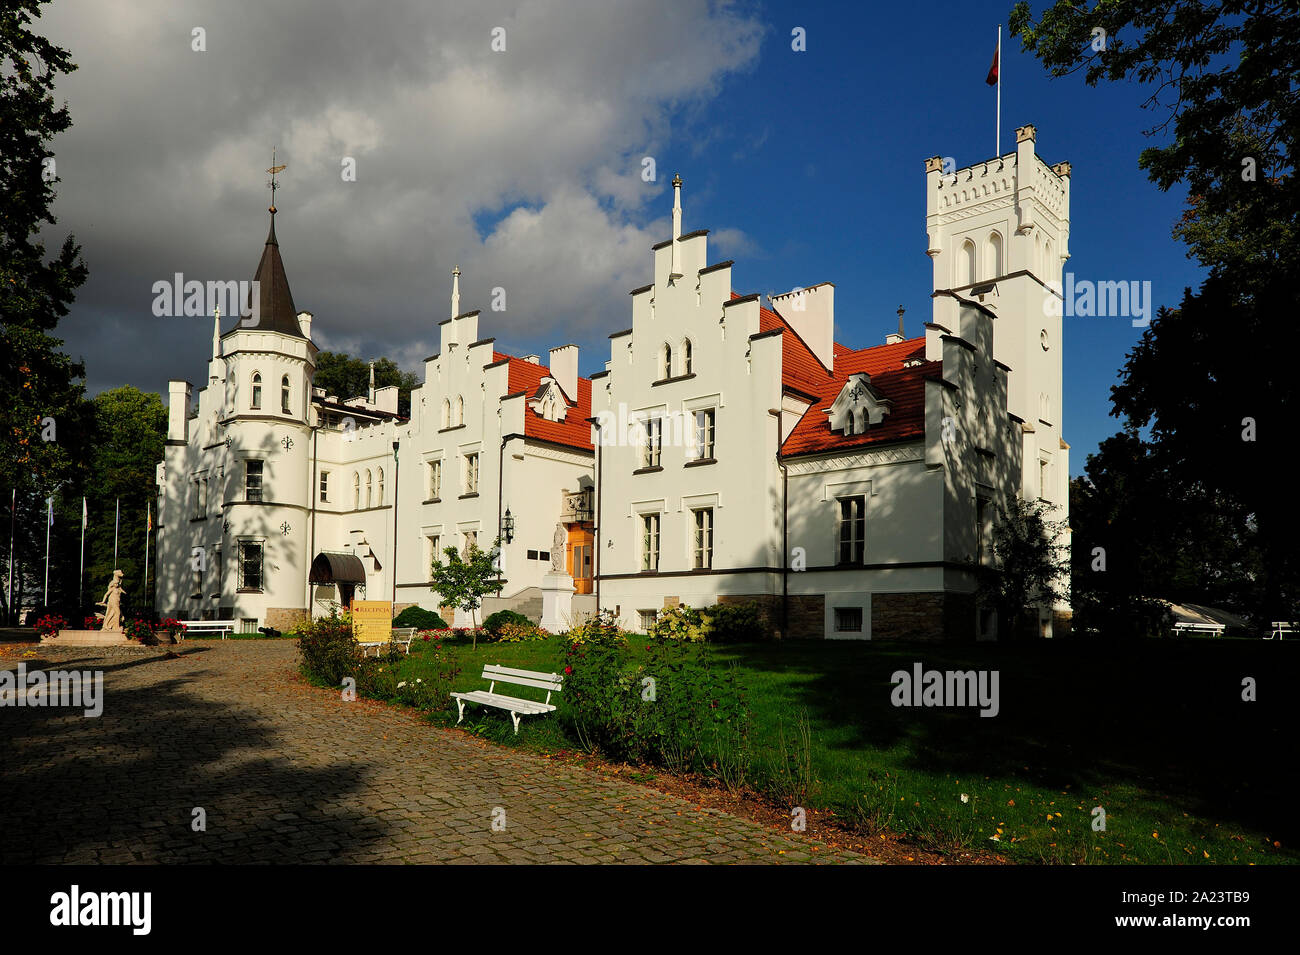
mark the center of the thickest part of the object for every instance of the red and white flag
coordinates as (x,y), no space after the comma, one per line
(992,78)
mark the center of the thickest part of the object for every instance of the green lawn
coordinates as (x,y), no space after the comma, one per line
(1155,733)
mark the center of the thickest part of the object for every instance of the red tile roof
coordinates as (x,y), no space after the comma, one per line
(904,387)
(799,366)
(574,430)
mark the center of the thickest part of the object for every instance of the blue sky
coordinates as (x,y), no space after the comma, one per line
(818,158)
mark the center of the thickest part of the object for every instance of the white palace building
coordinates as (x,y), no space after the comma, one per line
(729,451)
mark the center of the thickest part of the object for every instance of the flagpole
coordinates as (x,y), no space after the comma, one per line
(144,591)
(49,519)
(9,600)
(997,149)
(81,570)
(117,516)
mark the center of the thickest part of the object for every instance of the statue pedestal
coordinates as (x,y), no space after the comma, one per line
(89,638)
(557,601)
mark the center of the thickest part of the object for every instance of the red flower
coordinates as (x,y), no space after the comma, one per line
(568,669)
(426,638)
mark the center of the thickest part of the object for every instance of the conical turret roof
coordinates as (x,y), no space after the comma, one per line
(276,312)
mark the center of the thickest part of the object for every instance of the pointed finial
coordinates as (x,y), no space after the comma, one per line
(455,291)
(216,332)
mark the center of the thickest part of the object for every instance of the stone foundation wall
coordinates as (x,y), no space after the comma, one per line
(807,613)
(915,617)
(285,618)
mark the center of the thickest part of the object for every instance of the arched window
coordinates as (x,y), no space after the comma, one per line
(667,369)
(446,412)
(968,273)
(686,357)
(257,391)
(368,487)
(380,502)
(356,491)
(460,411)
(284,395)
(994,256)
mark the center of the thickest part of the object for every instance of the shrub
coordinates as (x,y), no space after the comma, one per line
(518,633)
(602,625)
(680,710)
(682,623)
(736,623)
(172,627)
(329,651)
(496,621)
(420,619)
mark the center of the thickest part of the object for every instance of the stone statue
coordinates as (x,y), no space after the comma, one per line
(112,603)
(558,543)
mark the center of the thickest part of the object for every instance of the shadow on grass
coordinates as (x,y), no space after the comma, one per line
(1167,717)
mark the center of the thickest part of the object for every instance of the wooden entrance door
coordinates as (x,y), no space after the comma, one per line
(581,543)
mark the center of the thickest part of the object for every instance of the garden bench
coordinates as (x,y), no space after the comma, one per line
(1281,628)
(1213,629)
(194,627)
(401,636)
(550,682)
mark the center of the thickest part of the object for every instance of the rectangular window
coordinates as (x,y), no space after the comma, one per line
(704,425)
(1044,477)
(532,555)
(198,500)
(848,619)
(435,549)
(981,515)
(325,487)
(650,542)
(471,540)
(654,434)
(250,565)
(853,529)
(252,480)
(435,480)
(543,555)
(704,538)
(648,619)
(471,474)
(248,625)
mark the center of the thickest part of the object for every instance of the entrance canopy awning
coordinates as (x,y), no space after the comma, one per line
(332,568)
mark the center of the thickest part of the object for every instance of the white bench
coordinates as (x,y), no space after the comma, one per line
(401,636)
(195,627)
(1281,628)
(550,682)
(1213,629)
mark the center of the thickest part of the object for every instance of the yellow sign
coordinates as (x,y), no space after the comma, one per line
(372,621)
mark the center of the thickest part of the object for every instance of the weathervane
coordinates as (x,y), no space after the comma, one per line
(272,183)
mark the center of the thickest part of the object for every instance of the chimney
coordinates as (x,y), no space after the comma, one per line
(304,322)
(895,339)
(564,369)
(533,359)
(811,313)
(178,409)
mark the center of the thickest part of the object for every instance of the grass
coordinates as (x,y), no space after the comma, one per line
(1155,733)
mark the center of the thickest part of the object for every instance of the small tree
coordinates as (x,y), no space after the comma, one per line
(464,579)
(1030,567)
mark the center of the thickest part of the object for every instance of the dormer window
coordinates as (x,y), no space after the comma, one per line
(858,406)
(550,402)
